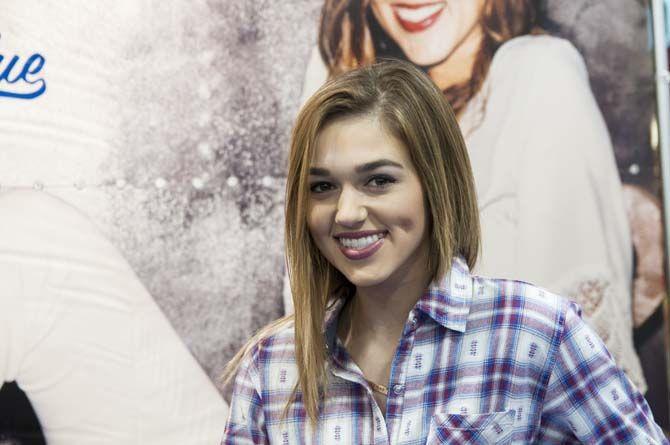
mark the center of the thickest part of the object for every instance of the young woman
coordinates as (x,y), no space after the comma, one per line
(393,339)
(550,199)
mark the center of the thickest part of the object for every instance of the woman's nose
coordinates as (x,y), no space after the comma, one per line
(351,209)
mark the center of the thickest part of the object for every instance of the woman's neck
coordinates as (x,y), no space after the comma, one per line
(457,67)
(378,313)
(381,313)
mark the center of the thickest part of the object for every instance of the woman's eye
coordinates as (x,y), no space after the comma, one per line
(320,187)
(380,181)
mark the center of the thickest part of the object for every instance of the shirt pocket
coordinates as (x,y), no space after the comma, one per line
(477,429)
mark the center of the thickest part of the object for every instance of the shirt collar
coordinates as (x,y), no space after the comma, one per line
(447,301)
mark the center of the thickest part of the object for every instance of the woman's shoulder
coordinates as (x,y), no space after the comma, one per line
(267,366)
(539,77)
(523,301)
(274,345)
(544,46)
(279,344)
(549,55)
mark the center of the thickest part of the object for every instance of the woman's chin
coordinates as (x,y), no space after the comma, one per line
(425,58)
(365,279)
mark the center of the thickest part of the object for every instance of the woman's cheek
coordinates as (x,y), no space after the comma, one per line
(384,14)
(318,221)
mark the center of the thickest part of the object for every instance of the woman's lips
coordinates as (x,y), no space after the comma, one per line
(416,18)
(359,254)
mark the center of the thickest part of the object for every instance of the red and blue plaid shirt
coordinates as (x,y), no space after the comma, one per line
(479,361)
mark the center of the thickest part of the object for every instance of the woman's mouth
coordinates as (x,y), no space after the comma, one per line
(360,247)
(416,18)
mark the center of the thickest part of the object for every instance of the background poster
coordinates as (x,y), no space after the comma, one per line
(167,123)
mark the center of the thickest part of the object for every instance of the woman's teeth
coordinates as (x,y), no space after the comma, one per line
(360,243)
(418,14)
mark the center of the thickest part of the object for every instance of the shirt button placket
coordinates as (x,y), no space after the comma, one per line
(380,435)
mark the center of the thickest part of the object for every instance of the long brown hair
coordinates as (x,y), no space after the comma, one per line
(348,38)
(413,109)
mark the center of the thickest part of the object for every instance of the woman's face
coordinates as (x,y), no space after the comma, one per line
(429,31)
(366,209)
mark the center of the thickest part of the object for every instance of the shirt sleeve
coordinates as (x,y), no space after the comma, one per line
(589,399)
(572,231)
(571,214)
(246,421)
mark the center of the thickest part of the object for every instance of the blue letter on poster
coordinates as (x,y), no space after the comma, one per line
(11,75)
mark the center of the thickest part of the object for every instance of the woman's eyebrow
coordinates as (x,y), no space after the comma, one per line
(317,171)
(367,167)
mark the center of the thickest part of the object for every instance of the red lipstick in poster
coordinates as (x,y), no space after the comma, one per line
(417,17)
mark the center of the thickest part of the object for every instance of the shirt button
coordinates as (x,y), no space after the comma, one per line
(397,389)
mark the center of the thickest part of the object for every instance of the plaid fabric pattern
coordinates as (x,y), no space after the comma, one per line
(479,361)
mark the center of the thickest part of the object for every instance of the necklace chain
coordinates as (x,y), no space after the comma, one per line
(376,387)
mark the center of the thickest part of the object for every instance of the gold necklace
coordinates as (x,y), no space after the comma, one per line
(376,387)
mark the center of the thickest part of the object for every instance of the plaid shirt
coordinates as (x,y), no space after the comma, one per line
(479,361)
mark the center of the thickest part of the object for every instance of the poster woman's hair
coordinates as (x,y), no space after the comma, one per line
(411,108)
(349,37)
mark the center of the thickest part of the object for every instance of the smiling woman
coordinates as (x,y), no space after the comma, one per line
(393,341)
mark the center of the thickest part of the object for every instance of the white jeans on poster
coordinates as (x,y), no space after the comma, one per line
(84,339)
